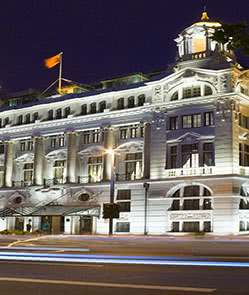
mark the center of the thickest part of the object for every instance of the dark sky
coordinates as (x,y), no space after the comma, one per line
(99,38)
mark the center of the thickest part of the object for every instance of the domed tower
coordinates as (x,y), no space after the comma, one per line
(195,43)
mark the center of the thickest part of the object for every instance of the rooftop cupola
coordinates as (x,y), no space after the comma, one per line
(195,41)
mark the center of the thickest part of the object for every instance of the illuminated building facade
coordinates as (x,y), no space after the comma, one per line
(181,141)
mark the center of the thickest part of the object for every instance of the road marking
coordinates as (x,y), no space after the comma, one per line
(109,285)
(24,241)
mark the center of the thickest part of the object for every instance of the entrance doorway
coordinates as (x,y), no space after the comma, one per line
(52,224)
(86,224)
(19,224)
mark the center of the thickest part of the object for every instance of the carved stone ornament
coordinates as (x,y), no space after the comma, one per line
(57,155)
(26,158)
(157,90)
(131,147)
(94,151)
(158,117)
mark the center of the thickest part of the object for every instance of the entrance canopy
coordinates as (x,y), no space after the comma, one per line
(51,210)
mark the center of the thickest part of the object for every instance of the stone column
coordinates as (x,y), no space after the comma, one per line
(71,157)
(8,165)
(109,143)
(147,145)
(38,161)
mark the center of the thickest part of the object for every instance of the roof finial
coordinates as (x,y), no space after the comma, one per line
(204,15)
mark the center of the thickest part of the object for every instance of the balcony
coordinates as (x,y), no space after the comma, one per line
(22,183)
(199,171)
(127,177)
(53,181)
(89,179)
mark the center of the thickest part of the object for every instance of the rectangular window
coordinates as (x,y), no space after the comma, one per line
(208,154)
(96,136)
(125,206)
(124,194)
(208,119)
(142,131)
(30,145)
(61,141)
(86,138)
(173,123)
(173,157)
(191,121)
(123,227)
(59,166)
(190,156)
(28,173)
(95,165)
(53,142)
(196,119)
(123,134)
(133,132)
(22,146)
(1,148)
(133,166)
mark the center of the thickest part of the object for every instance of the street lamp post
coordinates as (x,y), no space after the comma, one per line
(146,186)
(111,152)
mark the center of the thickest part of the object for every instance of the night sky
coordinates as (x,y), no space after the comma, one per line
(100,39)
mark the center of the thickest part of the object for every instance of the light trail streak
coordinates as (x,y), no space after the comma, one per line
(142,260)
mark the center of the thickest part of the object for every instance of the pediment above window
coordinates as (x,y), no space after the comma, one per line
(131,147)
(92,151)
(57,155)
(26,158)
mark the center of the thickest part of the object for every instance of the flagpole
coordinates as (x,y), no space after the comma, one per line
(60,72)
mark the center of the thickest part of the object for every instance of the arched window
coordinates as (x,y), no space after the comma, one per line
(120,105)
(84,109)
(93,108)
(141,100)
(174,96)
(35,117)
(6,121)
(131,102)
(189,92)
(208,90)
(50,115)
(67,111)
(27,118)
(58,114)
(194,198)
(102,106)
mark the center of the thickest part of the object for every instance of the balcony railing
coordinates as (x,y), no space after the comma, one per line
(22,183)
(127,177)
(54,181)
(199,171)
(89,179)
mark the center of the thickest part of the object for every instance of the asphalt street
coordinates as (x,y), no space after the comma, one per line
(124,265)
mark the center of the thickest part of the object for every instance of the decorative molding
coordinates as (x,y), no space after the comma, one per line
(95,150)
(190,215)
(60,154)
(26,158)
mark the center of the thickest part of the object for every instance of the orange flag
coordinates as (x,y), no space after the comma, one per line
(52,61)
